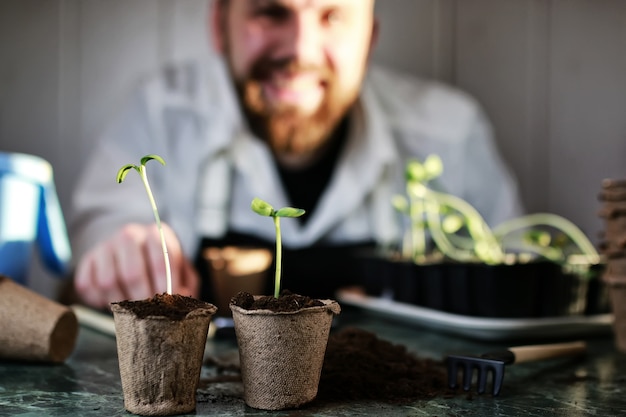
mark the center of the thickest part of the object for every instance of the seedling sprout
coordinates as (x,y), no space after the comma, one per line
(141,169)
(262,208)
(444,216)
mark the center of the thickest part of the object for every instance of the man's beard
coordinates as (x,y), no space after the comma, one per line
(289,133)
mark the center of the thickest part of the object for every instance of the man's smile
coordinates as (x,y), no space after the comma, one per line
(303,90)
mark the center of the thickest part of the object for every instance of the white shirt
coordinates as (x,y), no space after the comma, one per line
(215,167)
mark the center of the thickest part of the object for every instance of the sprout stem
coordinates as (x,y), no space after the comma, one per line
(427,210)
(279,255)
(168,272)
(477,227)
(417,226)
(263,208)
(548,219)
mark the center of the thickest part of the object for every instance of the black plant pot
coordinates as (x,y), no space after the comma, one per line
(457,282)
(374,274)
(556,292)
(597,292)
(521,290)
(584,291)
(431,283)
(404,282)
(508,291)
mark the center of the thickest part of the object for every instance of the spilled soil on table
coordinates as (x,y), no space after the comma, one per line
(360,366)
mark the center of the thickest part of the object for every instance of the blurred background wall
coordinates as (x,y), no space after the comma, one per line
(551,75)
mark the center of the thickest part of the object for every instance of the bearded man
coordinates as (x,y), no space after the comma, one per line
(295,115)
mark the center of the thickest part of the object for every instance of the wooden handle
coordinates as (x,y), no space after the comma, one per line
(556,350)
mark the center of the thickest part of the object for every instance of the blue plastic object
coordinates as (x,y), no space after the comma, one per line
(30,214)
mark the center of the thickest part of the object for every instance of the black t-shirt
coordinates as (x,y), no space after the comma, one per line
(305,186)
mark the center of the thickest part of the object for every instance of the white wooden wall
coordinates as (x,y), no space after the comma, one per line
(550,73)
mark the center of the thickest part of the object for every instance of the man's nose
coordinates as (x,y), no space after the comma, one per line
(302,39)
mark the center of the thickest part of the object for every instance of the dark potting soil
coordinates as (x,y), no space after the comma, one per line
(360,366)
(172,306)
(285,302)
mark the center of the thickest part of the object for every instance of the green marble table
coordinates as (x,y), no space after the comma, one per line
(88,384)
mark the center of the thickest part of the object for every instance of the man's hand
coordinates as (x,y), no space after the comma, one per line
(130,266)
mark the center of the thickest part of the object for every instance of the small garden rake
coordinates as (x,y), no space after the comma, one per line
(494,362)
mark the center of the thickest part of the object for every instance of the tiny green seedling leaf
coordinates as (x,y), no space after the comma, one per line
(265,209)
(289,212)
(400,203)
(261,207)
(433,166)
(538,237)
(141,169)
(150,157)
(452,223)
(415,171)
(123,171)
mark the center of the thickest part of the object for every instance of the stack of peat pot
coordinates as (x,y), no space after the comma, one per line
(613,197)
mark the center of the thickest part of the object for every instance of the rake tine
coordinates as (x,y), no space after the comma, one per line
(483,372)
(495,361)
(468,371)
(467,364)
(498,377)
(452,372)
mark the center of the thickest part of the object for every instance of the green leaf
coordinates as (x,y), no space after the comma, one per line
(485,252)
(416,189)
(433,166)
(560,240)
(123,171)
(147,158)
(415,171)
(538,237)
(289,212)
(400,203)
(261,207)
(452,223)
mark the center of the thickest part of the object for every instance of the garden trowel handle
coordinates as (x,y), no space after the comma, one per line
(556,350)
